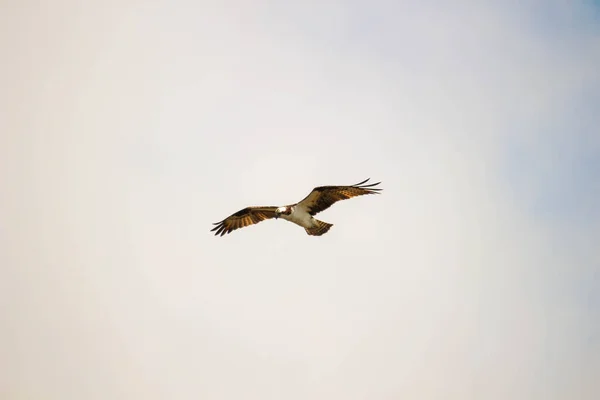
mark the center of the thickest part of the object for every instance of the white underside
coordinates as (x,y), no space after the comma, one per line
(299,216)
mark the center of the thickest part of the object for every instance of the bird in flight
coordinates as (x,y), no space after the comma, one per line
(301,213)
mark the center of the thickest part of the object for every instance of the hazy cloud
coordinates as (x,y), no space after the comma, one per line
(128,128)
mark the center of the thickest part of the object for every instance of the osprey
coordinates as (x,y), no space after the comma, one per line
(301,213)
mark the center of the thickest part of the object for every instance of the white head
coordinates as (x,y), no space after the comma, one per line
(283,210)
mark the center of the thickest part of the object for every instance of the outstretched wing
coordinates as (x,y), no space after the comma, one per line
(323,197)
(247,216)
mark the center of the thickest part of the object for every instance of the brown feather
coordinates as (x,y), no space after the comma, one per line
(323,197)
(245,217)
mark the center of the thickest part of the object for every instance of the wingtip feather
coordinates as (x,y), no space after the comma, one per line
(360,183)
(369,187)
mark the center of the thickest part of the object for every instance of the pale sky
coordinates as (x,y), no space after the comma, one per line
(127,128)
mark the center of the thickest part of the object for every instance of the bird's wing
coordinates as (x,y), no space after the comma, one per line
(247,216)
(323,197)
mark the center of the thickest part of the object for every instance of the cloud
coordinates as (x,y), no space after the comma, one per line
(132,128)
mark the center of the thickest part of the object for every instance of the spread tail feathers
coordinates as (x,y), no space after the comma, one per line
(320,229)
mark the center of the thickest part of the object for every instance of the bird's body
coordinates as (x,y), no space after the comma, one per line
(301,217)
(301,213)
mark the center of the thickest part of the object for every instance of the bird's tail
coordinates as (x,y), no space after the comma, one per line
(319,229)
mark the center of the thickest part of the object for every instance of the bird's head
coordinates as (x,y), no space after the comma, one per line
(283,211)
